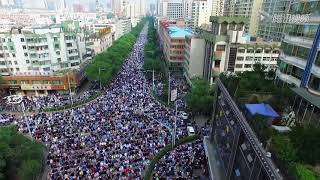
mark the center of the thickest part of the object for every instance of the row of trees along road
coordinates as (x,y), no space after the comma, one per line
(20,157)
(106,64)
(152,60)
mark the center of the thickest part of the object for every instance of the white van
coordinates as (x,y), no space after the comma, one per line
(191,131)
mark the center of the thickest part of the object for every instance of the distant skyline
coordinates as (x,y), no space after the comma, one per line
(50,3)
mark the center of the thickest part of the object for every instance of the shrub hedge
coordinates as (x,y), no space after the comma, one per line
(164,151)
(76,104)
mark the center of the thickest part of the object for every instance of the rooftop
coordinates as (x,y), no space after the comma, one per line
(174,31)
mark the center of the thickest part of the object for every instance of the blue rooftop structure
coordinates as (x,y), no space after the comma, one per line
(174,31)
(262,109)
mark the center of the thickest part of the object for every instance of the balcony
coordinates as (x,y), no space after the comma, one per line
(315,70)
(298,62)
(73,54)
(301,41)
(288,78)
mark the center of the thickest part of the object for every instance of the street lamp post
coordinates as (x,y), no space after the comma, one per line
(70,93)
(100,76)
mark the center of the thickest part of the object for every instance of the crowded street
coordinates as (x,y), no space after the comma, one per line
(112,137)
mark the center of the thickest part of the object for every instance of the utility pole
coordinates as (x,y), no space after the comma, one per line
(24,117)
(169,90)
(153,88)
(70,94)
(100,77)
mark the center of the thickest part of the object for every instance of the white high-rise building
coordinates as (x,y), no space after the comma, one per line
(171,9)
(217,7)
(201,12)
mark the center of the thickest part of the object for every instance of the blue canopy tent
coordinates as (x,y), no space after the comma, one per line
(262,109)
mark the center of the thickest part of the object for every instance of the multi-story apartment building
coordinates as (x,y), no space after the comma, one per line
(217,7)
(268,30)
(244,8)
(299,63)
(101,39)
(200,13)
(174,46)
(42,49)
(228,49)
(171,9)
(41,53)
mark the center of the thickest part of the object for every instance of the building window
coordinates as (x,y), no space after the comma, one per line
(314,83)
(26,54)
(17,69)
(240,58)
(24,82)
(36,82)
(250,51)
(46,82)
(13,82)
(221,47)
(247,65)
(58,52)
(241,50)
(13,55)
(15,62)
(22,39)
(239,65)
(24,47)
(57,82)
(27,61)
(11,48)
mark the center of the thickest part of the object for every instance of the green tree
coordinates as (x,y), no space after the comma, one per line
(109,62)
(306,141)
(200,98)
(20,158)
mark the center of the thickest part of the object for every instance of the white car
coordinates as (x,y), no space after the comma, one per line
(184,115)
(191,131)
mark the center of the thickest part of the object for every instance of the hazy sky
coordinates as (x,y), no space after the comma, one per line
(38,3)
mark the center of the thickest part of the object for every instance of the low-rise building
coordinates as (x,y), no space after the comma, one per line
(31,83)
(101,39)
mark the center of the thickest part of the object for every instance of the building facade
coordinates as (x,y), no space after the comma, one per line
(228,49)
(194,55)
(200,13)
(299,63)
(171,9)
(42,49)
(233,150)
(268,30)
(248,9)
(32,83)
(101,39)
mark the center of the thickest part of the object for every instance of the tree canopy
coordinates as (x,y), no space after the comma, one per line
(257,86)
(152,60)
(20,158)
(200,98)
(109,62)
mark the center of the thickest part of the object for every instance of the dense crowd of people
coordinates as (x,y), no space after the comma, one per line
(32,103)
(187,161)
(112,137)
